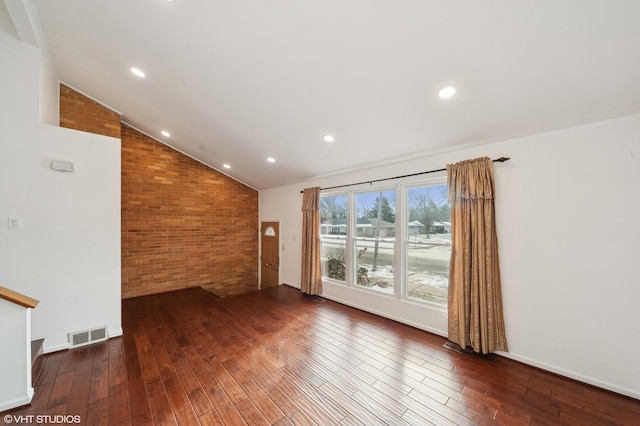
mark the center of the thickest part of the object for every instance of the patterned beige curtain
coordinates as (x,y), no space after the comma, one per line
(311,280)
(475,297)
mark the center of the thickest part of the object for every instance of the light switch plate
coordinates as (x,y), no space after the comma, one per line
(14,222)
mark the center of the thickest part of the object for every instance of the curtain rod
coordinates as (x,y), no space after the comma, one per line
(497,160)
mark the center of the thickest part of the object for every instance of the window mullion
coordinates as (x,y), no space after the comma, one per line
(350,243)
(400,246)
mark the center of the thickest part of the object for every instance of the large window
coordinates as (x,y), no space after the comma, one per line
(375,239)
(395,241)
(428,243)
(333,236)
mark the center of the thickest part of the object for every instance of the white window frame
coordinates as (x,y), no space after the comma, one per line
(347,258)
(354,238)
(405,242)
(400,245)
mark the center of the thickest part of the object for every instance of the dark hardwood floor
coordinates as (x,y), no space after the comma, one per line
(279,357)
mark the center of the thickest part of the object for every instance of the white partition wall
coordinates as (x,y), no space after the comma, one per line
(15,355)
(67,250)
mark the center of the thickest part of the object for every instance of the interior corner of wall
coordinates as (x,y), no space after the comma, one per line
(291,285)
(23,13)
(115,332)
(56,348)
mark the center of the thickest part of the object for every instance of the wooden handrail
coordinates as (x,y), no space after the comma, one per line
(18,298)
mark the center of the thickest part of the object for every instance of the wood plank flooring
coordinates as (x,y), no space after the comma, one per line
(279,357)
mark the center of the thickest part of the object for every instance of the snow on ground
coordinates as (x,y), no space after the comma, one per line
(424,287)
(432,281)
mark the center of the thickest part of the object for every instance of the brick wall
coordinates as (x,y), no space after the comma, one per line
(81,113)
(183,224)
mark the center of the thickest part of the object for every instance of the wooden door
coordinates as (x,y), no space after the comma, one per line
(270,259)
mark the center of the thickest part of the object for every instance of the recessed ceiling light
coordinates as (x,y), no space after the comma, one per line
(226,166)
(329,138)
(166,134)
(137,72)
(271,159)
(447,92)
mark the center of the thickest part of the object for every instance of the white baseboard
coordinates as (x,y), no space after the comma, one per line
(63,347)
(291,285)
(17,402)
(571,374)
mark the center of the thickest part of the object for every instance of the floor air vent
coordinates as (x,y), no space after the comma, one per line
(85,337)
(457,348)
(316,298)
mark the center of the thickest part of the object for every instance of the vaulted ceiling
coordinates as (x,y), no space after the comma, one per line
(235,82)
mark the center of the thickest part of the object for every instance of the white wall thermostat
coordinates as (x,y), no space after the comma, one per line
(63,166)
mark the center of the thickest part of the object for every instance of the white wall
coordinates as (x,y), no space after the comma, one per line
(567,210)
(68,253)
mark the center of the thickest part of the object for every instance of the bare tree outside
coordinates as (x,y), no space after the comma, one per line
(428,205)
(333,207)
